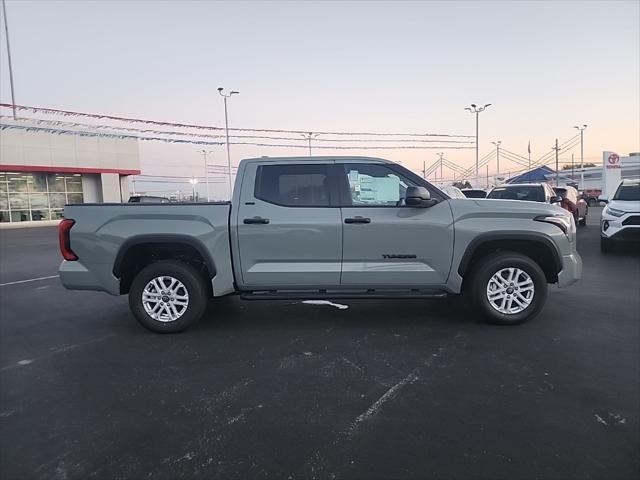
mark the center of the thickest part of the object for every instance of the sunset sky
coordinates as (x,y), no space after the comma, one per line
(342,66)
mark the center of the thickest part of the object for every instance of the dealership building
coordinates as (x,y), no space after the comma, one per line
(41,171)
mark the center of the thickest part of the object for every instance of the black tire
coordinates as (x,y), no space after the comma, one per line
(492,264)
(583,221)
(193,283)
(592,202)
(606,245)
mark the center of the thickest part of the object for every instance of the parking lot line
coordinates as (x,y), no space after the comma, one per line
(28,280)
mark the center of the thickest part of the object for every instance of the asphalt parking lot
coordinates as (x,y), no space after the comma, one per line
(381,389)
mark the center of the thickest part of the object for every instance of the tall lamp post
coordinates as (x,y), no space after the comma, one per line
(497,144)
(206,170)
(309,136)
(477,110)
(226,128)
(581,130)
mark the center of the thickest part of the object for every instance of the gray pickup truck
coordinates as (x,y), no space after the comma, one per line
(320,228)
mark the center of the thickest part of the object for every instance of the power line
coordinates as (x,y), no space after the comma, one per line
(52,111)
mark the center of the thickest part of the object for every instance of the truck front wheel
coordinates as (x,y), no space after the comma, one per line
(168,296)
(508,288)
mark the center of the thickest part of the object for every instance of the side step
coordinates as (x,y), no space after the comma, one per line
(341,294)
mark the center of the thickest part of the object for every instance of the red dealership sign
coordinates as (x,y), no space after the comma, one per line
(613,161)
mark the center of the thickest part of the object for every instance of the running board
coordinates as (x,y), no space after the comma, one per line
(340,294)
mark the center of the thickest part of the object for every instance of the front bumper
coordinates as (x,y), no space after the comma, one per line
(76,276)
(571,270)
(625,228)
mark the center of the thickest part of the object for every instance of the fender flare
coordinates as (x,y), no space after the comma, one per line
(154,238)
(534,237)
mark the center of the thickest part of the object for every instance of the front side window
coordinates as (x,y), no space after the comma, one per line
(376,185)
(293,185)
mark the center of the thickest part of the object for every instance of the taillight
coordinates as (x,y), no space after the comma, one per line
(65,241)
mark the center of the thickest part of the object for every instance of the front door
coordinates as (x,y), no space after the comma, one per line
(289,227)
(388,244)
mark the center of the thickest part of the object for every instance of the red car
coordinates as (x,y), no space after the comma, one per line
(573,203)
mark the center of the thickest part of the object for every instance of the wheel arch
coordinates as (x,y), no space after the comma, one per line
(141,250)
(537,246)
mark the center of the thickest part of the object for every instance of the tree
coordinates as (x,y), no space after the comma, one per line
(462,185)
(577,165)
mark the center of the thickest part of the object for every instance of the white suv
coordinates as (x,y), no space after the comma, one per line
(621,217)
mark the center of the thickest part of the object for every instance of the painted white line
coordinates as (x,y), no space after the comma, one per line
(326,302)
(28,280)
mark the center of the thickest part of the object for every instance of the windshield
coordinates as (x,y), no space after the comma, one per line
(529,193)
(627,192)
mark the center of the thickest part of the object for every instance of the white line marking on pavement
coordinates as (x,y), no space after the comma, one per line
(28,280)
(326,302)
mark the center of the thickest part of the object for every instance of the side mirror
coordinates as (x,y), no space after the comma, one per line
(603,198)
(556,199)
(418,197)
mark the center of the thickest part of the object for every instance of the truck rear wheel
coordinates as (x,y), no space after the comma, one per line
(508,288)
(168,296)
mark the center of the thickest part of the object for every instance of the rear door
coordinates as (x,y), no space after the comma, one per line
(385,243)
(289,226)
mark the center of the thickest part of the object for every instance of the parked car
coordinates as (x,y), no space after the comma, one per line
(474,193)
(320,228)
(573,203)
(621,217)
(147,199)
(591,196)
(532,192)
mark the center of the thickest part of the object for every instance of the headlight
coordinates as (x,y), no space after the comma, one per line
(563,222)
(614,212)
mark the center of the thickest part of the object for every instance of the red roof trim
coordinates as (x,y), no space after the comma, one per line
(49,169)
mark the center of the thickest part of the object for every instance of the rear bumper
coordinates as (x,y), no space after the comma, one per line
(571,270)
(76,276)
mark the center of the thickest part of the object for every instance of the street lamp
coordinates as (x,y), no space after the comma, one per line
(206,170)
(309,136)
(581,130)
(475,109)
(193,181)
(226,127)
(497,144)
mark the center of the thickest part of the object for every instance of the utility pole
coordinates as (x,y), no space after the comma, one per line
(573,178)
(497,144)
(424,169)
(557,172)
(477,110)
(441,155)
(581,130)
(206,171)
(309,136)
(226,128)
(6,34)
(529,167)
(487,176)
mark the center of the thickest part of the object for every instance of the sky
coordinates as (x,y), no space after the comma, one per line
(340,66)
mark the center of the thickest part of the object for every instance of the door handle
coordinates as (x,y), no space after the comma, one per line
(357,220)
(255,220)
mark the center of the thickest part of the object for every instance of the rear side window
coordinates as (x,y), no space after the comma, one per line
(293,185)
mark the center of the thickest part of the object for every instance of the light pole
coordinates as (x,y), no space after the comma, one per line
(226,128)
(309,136)
(6,33)
(206,170)
(475,109)
(581,130)
(497,144)
(441,155)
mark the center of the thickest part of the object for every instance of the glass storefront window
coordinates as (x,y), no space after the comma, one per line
(37,196)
